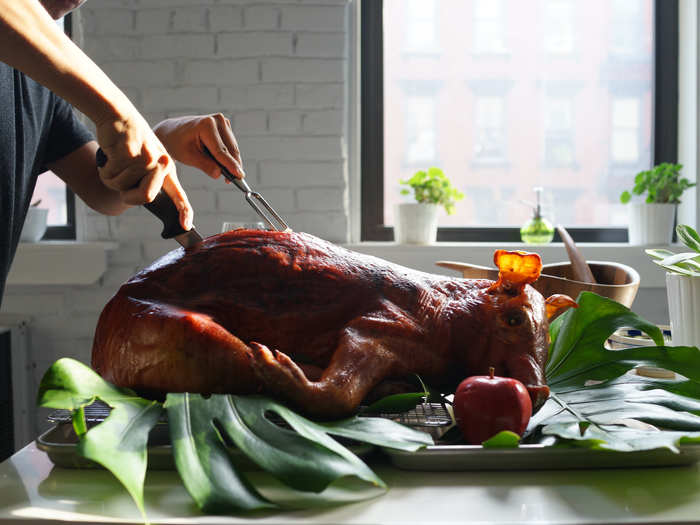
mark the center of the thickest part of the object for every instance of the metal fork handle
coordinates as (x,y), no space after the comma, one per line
(255,199)
(240,183)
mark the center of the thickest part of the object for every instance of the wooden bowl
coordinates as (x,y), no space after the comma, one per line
(616,281)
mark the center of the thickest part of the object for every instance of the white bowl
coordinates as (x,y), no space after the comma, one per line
(34,225)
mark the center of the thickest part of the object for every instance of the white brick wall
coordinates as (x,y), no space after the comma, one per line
(276,68)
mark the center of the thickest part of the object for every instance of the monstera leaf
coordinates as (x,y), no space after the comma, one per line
(595,403)
(301,454)
(119,443)
(213,437)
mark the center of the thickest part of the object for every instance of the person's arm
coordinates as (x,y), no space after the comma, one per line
(138,164)
(184,138)
(79,171)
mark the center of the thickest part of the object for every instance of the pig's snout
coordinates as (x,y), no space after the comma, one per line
(538,395)
(526,369)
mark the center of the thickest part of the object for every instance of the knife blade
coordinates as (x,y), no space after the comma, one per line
(164,208)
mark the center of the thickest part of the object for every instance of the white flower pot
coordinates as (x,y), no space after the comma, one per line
(684,308)
(416,223)
(651,223)
(34,226)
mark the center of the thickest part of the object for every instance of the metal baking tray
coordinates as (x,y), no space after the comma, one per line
(536,457)
(60,444)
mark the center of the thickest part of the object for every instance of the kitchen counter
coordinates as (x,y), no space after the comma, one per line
(32,490)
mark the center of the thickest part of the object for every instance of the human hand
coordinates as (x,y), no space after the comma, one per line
(138,165)
(188,138)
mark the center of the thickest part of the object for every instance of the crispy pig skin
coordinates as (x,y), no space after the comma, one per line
(313,324)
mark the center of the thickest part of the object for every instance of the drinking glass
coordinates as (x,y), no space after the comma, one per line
(228,226)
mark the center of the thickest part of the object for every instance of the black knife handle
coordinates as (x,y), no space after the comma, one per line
(162,207)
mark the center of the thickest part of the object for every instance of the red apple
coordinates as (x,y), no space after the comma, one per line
(485,405)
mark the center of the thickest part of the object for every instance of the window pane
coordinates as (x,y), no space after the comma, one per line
(420,26)
(52,192)
(551,93)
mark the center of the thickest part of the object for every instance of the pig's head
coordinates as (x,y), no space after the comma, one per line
(508,327)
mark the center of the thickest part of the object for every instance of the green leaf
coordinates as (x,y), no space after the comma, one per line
(304,456)
(118,443)
(659,256)
(433,186)
(396,403)
(504,439)
(625,411)
(679,258)
(202,458)
(688,236)
(663,183)
(577,352)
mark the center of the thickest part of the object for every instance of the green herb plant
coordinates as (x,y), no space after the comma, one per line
(433,187)
(686,263)
(662,184)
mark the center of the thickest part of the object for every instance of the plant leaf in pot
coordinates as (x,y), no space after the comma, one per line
(651,221)
(682,286)
(416,223)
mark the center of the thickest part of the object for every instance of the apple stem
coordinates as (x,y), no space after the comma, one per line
(492,370)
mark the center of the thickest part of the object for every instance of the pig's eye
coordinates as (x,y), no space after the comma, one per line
(514,318)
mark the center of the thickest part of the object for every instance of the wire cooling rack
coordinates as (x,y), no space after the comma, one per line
(433,418)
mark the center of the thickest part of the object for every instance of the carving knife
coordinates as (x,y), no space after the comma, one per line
(164,208)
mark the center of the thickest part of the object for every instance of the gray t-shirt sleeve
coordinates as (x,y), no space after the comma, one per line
(67,133)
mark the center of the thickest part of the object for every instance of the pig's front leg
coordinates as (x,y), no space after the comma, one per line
(358,364)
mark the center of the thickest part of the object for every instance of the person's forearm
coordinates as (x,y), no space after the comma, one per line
(31,42)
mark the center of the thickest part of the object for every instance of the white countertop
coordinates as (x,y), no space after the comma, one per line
(33,491)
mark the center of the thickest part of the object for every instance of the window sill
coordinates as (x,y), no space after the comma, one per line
(424,257)
(59,263)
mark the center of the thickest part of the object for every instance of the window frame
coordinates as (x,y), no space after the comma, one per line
(65,231)
(664,139)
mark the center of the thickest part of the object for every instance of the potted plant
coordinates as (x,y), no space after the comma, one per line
(416,222)
(682,286)
(651,221)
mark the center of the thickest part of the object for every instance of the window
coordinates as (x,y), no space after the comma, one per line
(53,192)
(625,130)
(489,133)
(421,26)
(559,132)
(628,39)
(488,27)
(558,24)
(420,129)
(566,109)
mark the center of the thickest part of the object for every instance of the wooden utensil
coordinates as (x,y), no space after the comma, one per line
(581,270)
(616,281)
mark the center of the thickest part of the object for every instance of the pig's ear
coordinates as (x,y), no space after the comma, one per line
(556,304)
(516,269)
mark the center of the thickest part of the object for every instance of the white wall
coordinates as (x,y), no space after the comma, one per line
(277,68)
